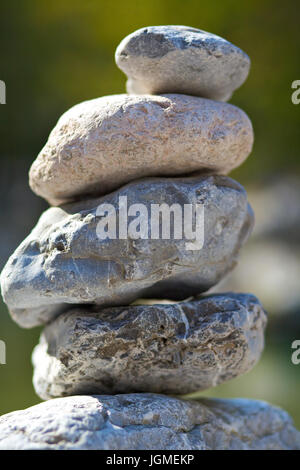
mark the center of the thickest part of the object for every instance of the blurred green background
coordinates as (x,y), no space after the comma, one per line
(57,53)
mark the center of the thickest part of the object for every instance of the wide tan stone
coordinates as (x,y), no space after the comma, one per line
(101,144)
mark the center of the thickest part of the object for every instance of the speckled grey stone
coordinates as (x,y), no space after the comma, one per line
(175,349)
(63,261)
(180,59)
(148,421)
(101,144)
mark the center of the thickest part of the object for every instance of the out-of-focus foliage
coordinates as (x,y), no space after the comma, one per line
(57,53)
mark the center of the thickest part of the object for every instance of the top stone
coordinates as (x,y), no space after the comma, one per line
(180,59)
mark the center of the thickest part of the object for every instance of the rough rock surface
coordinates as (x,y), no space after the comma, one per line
(64,261)
(148,421)
(174,349)
(101,144)
(180,59)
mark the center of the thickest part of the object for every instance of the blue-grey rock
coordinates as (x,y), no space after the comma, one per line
(180,59)
(148,421)
(63,261)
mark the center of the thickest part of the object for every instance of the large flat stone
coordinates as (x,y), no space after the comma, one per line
(101,144)
(180,59)
(63,261)
(147,421)
(175,349)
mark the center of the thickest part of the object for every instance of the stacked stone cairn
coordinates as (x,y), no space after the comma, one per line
(105,358)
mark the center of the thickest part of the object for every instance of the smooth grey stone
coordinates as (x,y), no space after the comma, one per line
(148,421)
(63,261)
(180,59)
(174,349)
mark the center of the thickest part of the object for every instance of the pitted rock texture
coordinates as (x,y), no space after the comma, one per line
(63,261)
(148,421)
(174,349)
(101,144)
(180,59)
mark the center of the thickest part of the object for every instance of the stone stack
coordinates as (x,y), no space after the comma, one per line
(169,141)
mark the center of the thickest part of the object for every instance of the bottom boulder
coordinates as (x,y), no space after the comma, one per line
(148,421)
